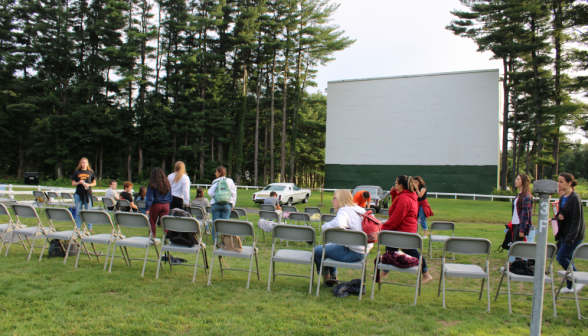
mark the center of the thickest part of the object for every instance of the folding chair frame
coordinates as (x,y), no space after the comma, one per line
(431,249)
(12,225)
(40,228)
(76,234)
(114,233)
(570,272)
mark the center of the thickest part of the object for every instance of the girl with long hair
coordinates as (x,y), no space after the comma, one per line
(424,207)
(403,217)
(180,186)
(200,200)
(222,211)
(158,197)
(83,179)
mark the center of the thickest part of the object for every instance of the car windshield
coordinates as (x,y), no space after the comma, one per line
(374,192)
(275,187)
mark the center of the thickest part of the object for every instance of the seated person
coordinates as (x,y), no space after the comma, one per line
(127,195)
(112,193)
(142,197)
(201,201)
(348,217)
(273,200)
(362,198)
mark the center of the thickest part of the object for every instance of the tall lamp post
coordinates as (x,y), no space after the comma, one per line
(544,188)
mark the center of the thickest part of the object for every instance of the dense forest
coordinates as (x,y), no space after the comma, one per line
(542,44)
(137,84)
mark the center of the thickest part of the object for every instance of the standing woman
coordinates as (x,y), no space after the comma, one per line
(522,207)
(222,210)
(403,218)
(570,220)
(180,186)
(424,207)
(83,179)
(158,197)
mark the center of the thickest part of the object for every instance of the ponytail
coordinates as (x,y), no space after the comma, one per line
(406,182)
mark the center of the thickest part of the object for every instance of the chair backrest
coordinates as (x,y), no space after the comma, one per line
(312,210)
(133,220)
(401,240)
(69,196)
(384,212)
(38,193)
(196,211)
(240,211)
(25,211)
(327,217)
(332,210)
(443,226)
(269,215)
(294,233)
(141,204)
(4,211)
(300,217)
(462,245)
(52,194)
(581,252)
(234,215)
(529,250)
(108,202)
(96,217)
(209,209)
(267,207)
(124,205)
(180,224)
(374,211)
(344,237)
(59,215)
(234,227)
(94,198)
(289,208)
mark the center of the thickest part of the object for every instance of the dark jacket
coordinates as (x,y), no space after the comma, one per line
(524,211)
(572,227)
(153,197)
(403,213)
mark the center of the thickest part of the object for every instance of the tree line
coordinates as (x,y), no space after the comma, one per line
(135,84)
(541,44)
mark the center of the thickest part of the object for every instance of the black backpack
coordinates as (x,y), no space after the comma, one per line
(523,267)
(181,238)
(57,248)
(509,237)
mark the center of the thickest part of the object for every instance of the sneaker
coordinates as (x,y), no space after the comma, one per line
(566,290)
(425,237)
(427,278)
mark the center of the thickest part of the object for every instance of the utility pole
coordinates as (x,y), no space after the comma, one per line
(544,188)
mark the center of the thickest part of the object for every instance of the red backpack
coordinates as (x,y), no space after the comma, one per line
(371,226)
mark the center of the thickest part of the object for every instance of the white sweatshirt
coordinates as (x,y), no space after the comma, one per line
(180,189)
(347,218)
(232,188)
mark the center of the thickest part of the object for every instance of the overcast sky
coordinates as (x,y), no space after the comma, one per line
(395,38)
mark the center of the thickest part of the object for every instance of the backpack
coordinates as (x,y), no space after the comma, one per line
(223,193)
(343,289)
(509,237)
(523,267)
(181,238)
(371,226)
(58,250)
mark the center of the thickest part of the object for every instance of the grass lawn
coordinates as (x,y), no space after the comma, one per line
(48,297)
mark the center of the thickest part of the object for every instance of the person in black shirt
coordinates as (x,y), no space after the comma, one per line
(83,179)
(127,195)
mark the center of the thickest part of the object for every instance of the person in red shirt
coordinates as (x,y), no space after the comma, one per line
(362,198)
(403,217)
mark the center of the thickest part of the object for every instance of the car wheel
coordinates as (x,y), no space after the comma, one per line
(305,200)
(289,201)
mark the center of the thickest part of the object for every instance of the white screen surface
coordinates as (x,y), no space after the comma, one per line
(436,119)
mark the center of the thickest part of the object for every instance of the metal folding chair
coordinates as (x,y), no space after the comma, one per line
(575,277)
(526,250)
(74,235)
(53,195)
(139,221)
(267,215)
(68,200)
(40,199)
(234,215)
(324,219)
(95,217)
(27,211)
(9,227)
(95,203)
(440,226)
(298,217)
(267,207)
(289,208)
(343,237)
(235,228)
(332,211)
(241,212)
(384,215)
(199,213)
(124,205)
(142,205)
(188,225)
(401,240)
(292,233)
(469,246)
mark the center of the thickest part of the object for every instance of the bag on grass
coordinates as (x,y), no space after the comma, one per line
(56,249)
(345,288)
(371,226)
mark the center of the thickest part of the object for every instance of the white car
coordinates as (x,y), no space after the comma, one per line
(288,193)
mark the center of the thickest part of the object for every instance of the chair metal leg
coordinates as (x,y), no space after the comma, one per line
(362,278)
(553,293)
(269,278)
(107,252)
(508,293)
(488,288)
(159,265)
(32,250)
(499,285)
(318,285)
(418,287)
(78,258)
(444,293)
(481,290)
(220,262)
(374,282)
(43,249)
(112,258)
(195,266)
(311,276)
(145,261)
(250,268)
(256,266)
(128,257)
(210,273)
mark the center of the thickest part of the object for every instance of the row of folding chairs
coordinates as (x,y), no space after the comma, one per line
(455,245)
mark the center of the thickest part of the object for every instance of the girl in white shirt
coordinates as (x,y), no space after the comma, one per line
(180,186)
(347,218)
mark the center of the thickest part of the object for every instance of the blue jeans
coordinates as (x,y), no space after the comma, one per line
(564,256)
(79,203)
(423,219)
(220,211)
(336,252)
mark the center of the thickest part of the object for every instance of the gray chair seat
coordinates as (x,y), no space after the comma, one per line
(103,238)
(246,253)
(138,242)
(63,235)
(464,271)
(524,278)
(171,247)
(4,227)
(439,238)
(29,231)
(293,257)
(358,265)
(388,267)
(54,204)
(581,277)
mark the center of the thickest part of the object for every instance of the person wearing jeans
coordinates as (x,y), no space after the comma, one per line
(83,179)
(570,220)
(222,211)
(336,252)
